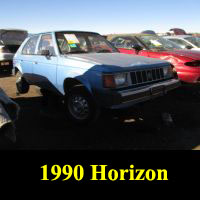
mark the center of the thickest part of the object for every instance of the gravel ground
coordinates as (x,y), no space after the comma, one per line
(121,130)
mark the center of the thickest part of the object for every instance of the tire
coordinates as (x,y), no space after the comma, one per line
(80,106)
(21,84)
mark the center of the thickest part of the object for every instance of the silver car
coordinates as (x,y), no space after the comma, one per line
(10,41)
(186,41)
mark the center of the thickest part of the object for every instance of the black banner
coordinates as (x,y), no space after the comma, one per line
(99,167)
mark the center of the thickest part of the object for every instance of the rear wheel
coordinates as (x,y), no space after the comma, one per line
(21,84)
(80,106)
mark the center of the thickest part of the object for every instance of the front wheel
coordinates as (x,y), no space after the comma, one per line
(80,106)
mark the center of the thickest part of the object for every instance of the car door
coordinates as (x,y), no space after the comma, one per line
(124,45)
(27,58)
(45,67)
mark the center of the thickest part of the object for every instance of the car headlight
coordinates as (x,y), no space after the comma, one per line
(165,71)
(115,80)
(168,71)
(120,79)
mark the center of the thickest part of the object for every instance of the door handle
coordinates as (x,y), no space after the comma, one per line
(35,63)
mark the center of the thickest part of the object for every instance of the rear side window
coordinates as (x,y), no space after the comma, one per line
(30,46)
(182,43)
(46,43)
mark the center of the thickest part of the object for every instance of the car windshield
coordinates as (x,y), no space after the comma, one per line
(80,42)
(158,43)
(194,40)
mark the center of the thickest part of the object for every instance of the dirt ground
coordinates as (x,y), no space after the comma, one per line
(137,129)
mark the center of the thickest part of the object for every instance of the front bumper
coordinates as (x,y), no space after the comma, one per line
(130,97)
(189,77)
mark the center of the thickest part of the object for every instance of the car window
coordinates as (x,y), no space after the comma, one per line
(194,40)
(83,42)
(98,44)
(46,43)
(30,46)
(118,42)
(156,43)
(66,48)
(181,43)
(126,43)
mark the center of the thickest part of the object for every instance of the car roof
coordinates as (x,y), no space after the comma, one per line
(151,32)
(178,36)
(62,31)
(133,35)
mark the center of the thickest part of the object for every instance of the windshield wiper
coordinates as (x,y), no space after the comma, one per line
(78,52)
(74,52)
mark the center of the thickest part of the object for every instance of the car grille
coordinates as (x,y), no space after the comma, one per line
(144,76)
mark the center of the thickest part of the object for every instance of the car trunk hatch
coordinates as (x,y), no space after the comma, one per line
(12,38)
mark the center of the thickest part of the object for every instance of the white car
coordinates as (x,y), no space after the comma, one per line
(185,41)
(10,41)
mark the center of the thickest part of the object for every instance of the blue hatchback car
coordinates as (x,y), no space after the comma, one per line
(89,73)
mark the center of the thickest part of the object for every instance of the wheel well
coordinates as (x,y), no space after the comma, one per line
(70,83)
(16,70)
(174,71)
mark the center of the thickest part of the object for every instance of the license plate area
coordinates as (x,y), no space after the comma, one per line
(4,63)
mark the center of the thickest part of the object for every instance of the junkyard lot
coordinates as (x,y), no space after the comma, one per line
(37,131)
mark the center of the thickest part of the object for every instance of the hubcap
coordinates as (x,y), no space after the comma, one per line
(18,78)
(78,107)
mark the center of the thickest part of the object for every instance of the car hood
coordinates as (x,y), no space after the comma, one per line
(110,60)
(192,54)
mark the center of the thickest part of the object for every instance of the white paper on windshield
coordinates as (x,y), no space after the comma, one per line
(156,43)
(71,38)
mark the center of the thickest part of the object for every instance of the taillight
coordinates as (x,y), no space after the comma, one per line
(3,49)
(195,63)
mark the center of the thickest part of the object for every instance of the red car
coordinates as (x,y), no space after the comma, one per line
(186,63)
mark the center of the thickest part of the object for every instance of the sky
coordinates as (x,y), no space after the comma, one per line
(102,16)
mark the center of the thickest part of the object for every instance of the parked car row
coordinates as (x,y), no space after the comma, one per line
(89,73)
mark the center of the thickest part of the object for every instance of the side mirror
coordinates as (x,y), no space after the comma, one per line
(45,53)
(137,47)
(189,47)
